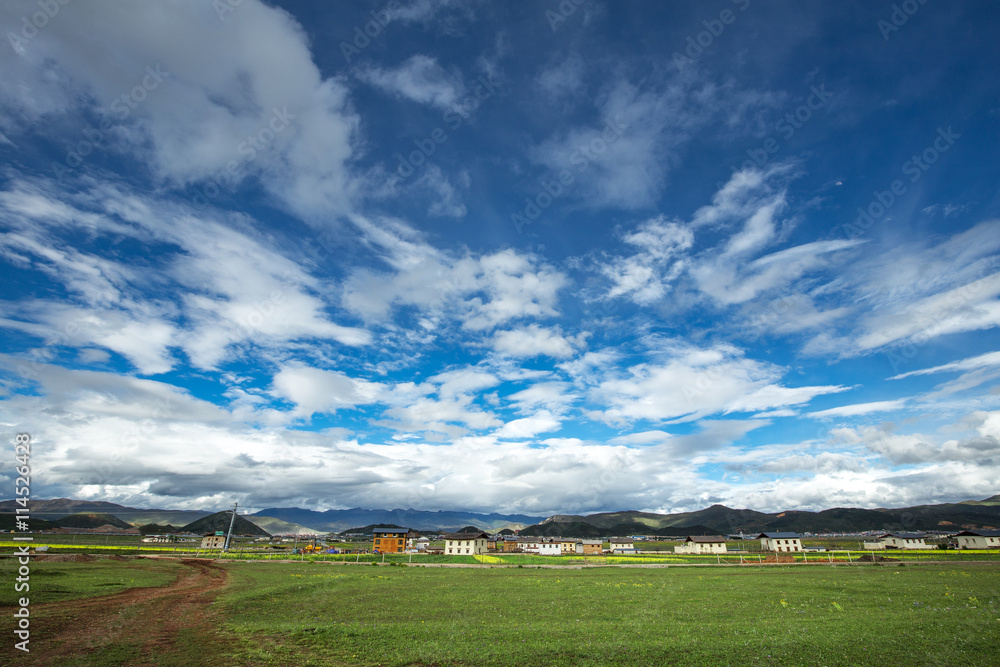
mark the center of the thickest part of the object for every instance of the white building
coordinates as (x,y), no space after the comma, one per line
(978,539)
(780,542)
(698,544)
(549,549)
(621,546)
(899,541)
(466,543)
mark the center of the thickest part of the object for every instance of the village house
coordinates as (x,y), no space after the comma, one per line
(509,544)
(621,546)
(214,541)
(978,539)
(549,548)
(528,544)
(780,541)
(589,547)
(391,540)
(567,545)
(698,544)
(899,541)
(466,543)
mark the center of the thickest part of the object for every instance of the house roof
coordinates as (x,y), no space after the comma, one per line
(978,533)
(904,536)
(467,536)
(710,539)
(391,531)
(780,536)
(620,541)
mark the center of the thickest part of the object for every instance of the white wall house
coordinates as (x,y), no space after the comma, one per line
(899,541)
(465,543)
(621,545)
(698,544)
(549,549)
(978,539)
(780,542)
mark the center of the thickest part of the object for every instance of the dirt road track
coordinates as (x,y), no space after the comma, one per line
(151,618)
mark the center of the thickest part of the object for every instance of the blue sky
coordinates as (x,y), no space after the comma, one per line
(536,257)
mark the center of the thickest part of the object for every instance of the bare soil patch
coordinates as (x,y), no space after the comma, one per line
(142,625)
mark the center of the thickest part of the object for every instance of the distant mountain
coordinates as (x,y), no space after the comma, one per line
(369,529)
(719,519)
(60,507)
(279,527)
(220,521)
(90,520)
(993,500)
(335,521)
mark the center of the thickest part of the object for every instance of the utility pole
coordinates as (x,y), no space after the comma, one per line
(229,536)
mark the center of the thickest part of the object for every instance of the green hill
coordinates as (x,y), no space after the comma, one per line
(220,521)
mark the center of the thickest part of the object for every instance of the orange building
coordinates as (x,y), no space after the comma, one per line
(390,540)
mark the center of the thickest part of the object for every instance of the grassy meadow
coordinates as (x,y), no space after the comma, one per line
(58,581)
(314,614)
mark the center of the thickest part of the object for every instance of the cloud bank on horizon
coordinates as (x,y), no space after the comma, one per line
(447,254)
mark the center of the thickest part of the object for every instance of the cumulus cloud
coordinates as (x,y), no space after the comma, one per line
(254,113)
(692,383)
(533,341)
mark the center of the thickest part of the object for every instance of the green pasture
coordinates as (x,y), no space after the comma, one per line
(50,581)
(311,614)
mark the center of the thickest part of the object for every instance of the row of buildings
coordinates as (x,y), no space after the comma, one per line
(400,540)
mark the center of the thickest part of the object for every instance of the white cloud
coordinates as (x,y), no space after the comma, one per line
(194,121)
(987,360)
(691,383)
(215,288)
(420,79)
(533,341)
(563,78)
(529,427)
(646,276)
(314,390)
(859,409)
(482,291)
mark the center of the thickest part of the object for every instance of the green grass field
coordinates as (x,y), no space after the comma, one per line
(873,614)
(58,581)
(303,613)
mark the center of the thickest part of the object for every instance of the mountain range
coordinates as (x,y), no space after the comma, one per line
(715,519)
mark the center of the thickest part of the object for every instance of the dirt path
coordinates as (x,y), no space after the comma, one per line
(139,626)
